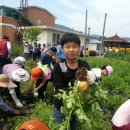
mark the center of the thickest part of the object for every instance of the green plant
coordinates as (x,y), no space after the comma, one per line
(84,105)
(119,83)
(30,34)
(17,50)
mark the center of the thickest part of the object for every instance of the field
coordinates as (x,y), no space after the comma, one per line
(117,86)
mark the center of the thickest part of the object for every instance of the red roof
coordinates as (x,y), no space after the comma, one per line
(114,39)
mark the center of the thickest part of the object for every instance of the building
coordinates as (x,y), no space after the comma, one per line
(40,16)
(115,42)
(94,44)
(51,32)
(11,20)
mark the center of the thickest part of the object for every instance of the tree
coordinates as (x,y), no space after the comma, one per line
(30,35)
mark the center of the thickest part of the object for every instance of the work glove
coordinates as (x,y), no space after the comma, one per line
(19,104)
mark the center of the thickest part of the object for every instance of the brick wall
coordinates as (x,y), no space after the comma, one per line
(40,17)
(37,16)
(8,20)
(9,29)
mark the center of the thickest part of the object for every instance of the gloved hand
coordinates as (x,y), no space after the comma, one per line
(19,104)
(35,94)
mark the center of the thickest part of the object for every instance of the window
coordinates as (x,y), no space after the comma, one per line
(55,38)
(9,13)
(15,15)
(58,38)
(1,12)
(18,39)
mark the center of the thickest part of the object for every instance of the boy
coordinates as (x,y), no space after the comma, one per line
(64,72)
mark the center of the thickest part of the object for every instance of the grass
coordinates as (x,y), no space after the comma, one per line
(119,83)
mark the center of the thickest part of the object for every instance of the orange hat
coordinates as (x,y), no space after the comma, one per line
(35,74)
(33,125)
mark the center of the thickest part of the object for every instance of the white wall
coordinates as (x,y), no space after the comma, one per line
(82,39)
(92,47)
(42,38)
(46,37)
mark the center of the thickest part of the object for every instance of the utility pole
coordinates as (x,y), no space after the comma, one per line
(88,36)
(85,33)
(103,34)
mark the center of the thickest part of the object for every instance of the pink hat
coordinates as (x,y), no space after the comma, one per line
(109,70)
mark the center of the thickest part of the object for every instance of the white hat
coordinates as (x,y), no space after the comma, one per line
(5,82)
(19,60)
(109,70)
(20,75)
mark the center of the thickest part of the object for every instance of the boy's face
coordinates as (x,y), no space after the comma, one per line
(71,50)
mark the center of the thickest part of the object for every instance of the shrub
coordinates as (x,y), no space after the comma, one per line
(17,50)
(92,53)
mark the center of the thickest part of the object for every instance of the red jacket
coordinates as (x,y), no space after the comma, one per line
(3,48)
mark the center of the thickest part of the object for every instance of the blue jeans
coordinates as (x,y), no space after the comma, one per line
(59,118)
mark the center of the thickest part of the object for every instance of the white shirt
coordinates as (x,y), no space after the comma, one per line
(122,115)
(94,74)
(26,49)
(97,72)
(92,77)
(9,47)
(116,50)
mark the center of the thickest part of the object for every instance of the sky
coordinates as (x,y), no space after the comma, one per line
(72,13)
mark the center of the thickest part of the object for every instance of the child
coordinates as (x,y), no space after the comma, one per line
(106,70)
(41,75)
(64,72)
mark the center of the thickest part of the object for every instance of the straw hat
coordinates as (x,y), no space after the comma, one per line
(33,125)
(5,82)
(20,75)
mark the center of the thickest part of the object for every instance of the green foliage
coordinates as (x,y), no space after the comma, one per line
(121,55)
(118,91)
(17,49)
(30,34)
(72,105)
(86,106)
(41,112)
